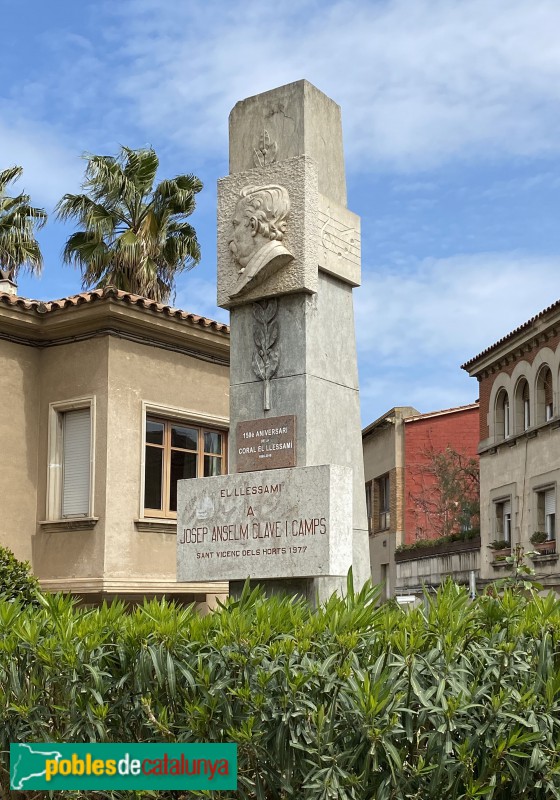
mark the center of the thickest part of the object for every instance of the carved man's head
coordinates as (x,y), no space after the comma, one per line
(260,217)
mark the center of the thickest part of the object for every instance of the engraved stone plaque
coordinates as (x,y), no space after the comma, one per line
(266,443)
(269,524)
(340,245)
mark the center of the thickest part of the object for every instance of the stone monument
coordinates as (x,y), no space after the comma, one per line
(292,513)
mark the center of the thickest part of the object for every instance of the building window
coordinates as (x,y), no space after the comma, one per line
(174,451)
(383,488)
(546,512)
(70,470)
(501,417)
(544,410)
(369,505)
(522,407)
(502,520)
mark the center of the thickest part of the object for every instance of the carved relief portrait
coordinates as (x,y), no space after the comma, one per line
(258,227)
(268,232)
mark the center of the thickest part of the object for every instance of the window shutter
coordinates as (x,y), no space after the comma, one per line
(76,437)
(507,507)
(549,502)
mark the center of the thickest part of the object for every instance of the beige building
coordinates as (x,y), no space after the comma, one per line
(520,445)
(383,447)
(108,399)
(406,505)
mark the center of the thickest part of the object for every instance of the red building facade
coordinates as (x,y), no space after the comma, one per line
(438,451)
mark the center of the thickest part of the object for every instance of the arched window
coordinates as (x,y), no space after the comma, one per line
(501,416)
(522,406)
(544,410)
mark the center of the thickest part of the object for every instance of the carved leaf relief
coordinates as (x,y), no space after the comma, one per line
(266,357)
(258,366)
(266,151)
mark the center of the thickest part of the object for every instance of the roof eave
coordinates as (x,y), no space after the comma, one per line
(517,338)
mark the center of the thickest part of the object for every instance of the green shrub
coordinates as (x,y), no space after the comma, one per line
(455,699)
(16,580)
(500,544)
(538,537)
(459,536)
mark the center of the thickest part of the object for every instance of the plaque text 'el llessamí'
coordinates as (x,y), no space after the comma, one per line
(268,524)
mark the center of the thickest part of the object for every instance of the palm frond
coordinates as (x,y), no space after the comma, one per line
(8,175)
(177,194)
(141,167)
(18,221)
(107,182)
(132,235)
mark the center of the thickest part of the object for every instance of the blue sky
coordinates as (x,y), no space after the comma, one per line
(451,113)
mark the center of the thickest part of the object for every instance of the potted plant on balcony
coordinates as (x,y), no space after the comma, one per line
(501,549)
(543,545)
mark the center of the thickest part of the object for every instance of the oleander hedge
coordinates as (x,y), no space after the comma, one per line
(16,580)
(455,699)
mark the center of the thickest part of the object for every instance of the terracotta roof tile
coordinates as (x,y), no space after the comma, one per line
(443,411)
(46,307)
(525,326)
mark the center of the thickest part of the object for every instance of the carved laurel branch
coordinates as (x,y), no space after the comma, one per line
(265,356)
(265,153)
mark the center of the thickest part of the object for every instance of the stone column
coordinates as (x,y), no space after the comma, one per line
(293,350)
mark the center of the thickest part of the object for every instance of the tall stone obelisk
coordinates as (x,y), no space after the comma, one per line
(291,512)
(292,137)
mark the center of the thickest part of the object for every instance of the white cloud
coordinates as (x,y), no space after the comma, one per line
(420,81)
(456,305)
(49,168)
(416,327)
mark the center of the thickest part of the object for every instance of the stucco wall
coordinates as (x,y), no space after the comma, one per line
(19,400)
(67,372)
(382,560)
(379,452)
(140,374)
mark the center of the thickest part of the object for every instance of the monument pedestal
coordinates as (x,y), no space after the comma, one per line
(288,259)
(317,381)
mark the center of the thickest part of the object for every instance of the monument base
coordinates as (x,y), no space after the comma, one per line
(313,590)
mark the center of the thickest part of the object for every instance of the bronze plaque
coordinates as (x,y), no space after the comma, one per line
(266,443)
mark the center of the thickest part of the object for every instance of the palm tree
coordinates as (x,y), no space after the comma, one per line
(133,236)
(18,220)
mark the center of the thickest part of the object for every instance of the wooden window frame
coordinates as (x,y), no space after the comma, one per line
(168,418)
